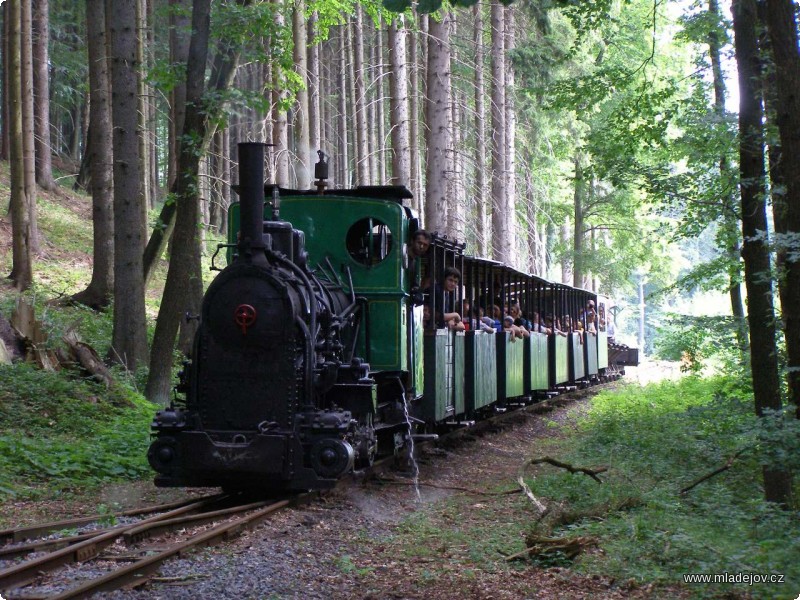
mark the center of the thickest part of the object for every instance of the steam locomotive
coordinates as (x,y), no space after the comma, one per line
(313,355)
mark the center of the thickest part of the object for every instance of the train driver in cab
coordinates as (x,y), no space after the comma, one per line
(420,243)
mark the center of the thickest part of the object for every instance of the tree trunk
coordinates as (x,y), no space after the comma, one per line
(726,177)
(532,231)
(141,113)
(510,124)
(280,134)
(380,117)
(457,211)
(179,33)
(28,136)
(360,98)
(129,339)
(180,29)
(216,172)
(782,29)
(301,121)
(21,270)
(413,133)
(41,91)
(314,83)
(184,265)
(501,242)
(438,117)
(755,251)
(98,293)
(152,111)
(370,99)
(184,287)
(4,98)
(226,179)
(579,196)
(480,134)
(344,148)
(398,96)
(566,266)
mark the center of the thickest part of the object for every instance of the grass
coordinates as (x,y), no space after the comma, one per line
(59,432)
(658,440)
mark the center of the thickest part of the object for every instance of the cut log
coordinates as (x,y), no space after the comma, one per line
(88,359)
(11,346)
(33,336)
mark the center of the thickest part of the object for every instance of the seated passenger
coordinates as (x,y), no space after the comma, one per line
(420,243)
(497,316)
(538,326)
(519,320)
(555,325)
(509,327)
(517,332)
(444,301)
(485,323)
(465,310)
(590,322)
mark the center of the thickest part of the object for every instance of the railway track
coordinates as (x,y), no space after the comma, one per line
(142,546)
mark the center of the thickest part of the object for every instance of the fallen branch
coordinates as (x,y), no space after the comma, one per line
(542,546)
(88,359)
(447,487)
(727,465)
(593,473)
(540,506)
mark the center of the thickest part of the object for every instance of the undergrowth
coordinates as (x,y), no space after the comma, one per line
(58,432)
(656,441)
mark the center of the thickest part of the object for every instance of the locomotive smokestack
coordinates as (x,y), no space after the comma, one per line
(251,200)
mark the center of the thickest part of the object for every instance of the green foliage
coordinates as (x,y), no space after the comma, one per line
(698,341)
(397,6)
(778,433)
(657,440)
(63,432)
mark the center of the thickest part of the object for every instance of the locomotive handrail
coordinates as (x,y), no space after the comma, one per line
(331,278)
(333,271)
(213,266)
(350,281)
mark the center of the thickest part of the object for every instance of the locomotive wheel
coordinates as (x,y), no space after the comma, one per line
(365,454)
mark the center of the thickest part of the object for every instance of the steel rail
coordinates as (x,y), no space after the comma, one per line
(20,534)
(138,573)
(17,550)
(143,531)
(139,531)
(27,571)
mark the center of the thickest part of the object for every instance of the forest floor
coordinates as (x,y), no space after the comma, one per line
(379,539)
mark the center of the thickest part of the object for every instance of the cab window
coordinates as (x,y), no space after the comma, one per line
(369,241)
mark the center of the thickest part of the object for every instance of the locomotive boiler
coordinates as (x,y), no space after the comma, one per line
(275,397)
